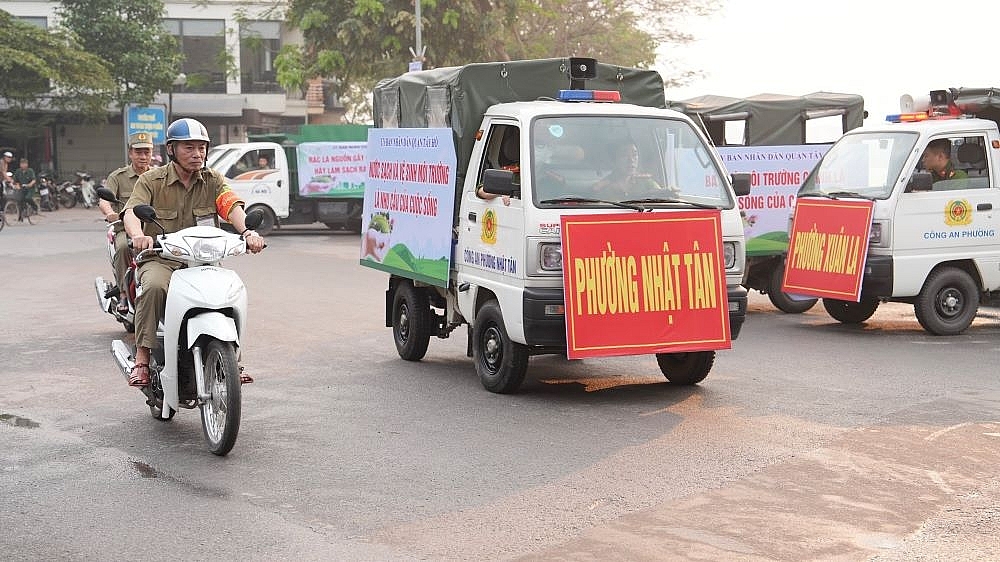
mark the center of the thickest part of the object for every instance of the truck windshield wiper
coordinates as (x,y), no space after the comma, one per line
(835,194)
(671,200)
(575,199)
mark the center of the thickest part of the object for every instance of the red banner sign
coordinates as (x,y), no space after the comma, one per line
(644,283)
(827,248)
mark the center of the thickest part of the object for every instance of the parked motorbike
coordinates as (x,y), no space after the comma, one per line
(46,192)
(197,362)
(80,190)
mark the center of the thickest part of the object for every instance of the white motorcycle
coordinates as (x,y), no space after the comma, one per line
(197,362)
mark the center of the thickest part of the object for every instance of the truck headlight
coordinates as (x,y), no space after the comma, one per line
(550,257)
(729,254)
(878,236)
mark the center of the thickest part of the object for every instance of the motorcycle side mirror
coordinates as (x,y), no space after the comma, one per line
(107,195)
(146,213)
(254,219)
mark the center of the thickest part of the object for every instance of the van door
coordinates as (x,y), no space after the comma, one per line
(949,216)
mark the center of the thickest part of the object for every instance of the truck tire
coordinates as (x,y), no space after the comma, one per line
(686,368)
(266,225)
(947,303)
(781,300)
(848,312)
(411,321)
(500,362)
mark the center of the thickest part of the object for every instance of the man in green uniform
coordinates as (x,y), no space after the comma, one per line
(936,159)
(184,193)
(121,182)
(24,180)
(625,180)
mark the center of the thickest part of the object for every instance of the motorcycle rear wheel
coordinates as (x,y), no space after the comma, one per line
(67,200)
(220,413)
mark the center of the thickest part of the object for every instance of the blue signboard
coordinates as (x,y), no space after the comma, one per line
(150,120)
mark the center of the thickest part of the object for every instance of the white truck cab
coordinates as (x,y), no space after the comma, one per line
(261,187)
(935,237)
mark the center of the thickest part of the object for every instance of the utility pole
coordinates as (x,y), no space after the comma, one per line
(418,53)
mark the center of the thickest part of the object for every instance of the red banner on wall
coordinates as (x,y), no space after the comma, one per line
(827,248)
(644,283)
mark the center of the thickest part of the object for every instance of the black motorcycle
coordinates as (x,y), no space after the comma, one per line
(47,193)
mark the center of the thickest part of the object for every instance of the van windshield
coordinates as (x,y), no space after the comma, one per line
(867,164)
(594,160)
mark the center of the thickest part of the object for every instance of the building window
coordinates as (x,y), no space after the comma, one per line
(203,43)
(40,21)
(259,44)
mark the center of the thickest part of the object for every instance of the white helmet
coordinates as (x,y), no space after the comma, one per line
(187,129)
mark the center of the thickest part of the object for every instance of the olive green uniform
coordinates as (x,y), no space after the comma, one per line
(121,182)
(177,207)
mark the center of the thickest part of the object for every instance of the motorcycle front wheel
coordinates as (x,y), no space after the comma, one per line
(220,413)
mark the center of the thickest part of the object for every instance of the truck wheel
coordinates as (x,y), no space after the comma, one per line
(781,300)
(266,225)
(686,368)
(411,313)
(948,302)
(849,312)
(500,362)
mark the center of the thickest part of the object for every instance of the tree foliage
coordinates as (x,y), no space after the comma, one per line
(143,58)
(355,42)
(46,70)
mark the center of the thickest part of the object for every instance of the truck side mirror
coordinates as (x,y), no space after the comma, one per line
(741,183)
(920,181)
(499,182)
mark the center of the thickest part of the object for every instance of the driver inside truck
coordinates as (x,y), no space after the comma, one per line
(508,158)
(625,179)
(936,159)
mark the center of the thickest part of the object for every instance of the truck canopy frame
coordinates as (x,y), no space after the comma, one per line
(458,97)
(771,119)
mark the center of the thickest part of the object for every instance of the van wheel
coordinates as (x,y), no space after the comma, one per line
(948,302)
(266,225)
(686,368)
(849,312)
(500,362)
(411,321)
(781,300)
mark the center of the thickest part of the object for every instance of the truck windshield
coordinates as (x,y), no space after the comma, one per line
(867,164)
(591,160)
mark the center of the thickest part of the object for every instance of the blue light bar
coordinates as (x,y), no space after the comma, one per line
(590,95)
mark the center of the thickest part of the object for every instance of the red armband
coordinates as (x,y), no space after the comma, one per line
(224,203)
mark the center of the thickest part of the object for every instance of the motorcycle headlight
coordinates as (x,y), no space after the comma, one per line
(207,249)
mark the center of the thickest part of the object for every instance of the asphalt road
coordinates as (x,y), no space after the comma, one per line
(809,440)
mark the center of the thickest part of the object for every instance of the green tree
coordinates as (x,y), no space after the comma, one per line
(129,36)
(44,72)
(355,42)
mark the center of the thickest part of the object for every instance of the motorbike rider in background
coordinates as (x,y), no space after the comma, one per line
(121,182)
(184,193)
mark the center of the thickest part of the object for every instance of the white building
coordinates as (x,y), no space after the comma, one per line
(230,104)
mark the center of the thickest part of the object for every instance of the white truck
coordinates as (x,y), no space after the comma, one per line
(777,139)
(505,281)
(935,241)
(316,176)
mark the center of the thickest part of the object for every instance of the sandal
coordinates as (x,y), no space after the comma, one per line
(139,376)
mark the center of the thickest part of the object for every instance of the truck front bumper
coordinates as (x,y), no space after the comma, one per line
(548,329)
(877,281)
